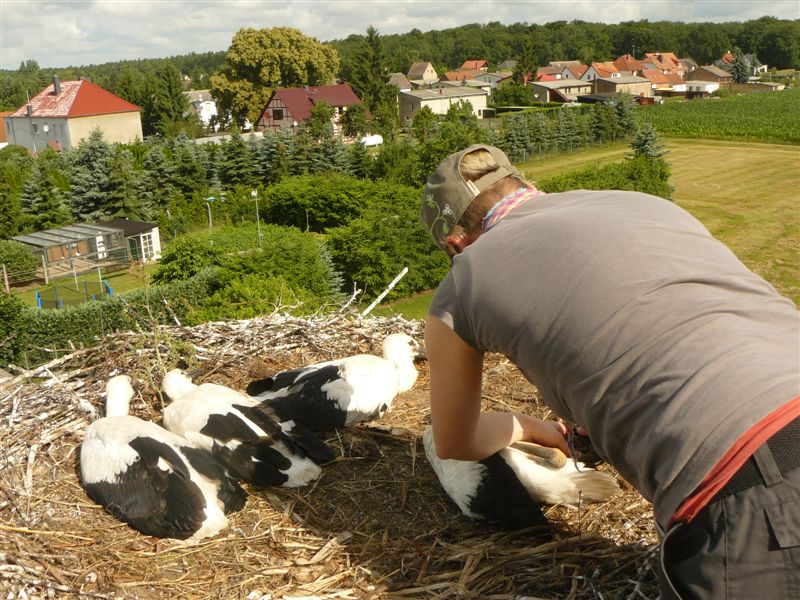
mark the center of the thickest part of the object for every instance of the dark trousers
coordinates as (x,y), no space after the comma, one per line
(744,545)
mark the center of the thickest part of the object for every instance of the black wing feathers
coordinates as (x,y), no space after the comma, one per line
(501,497)
(230,493)
(306,403)
(157,502)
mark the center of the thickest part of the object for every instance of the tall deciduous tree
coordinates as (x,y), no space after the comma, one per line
(259,60)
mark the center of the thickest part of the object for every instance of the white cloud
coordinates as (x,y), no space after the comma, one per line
(70,33)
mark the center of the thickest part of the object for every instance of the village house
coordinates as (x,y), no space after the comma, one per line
(460,75)
(440,100)
(598,70)
(628,65)
(573,71)
(400,81)
(202,104)
(422,71)
(754,66)
(548,73)
(496,80)
(475,65)
(563,90)
(666,62)
(709,73)
(640,87)
(66,112)
(3,133)
(291,107)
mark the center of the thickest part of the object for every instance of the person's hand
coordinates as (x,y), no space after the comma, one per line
(545,433)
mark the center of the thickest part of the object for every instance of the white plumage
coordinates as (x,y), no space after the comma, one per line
(156,481)
(508,486)
(245,437)
(344,391)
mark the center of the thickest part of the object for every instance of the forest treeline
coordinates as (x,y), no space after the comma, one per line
(776,42)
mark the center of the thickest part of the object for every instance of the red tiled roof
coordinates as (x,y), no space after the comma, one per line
(605,69)
(474,64)
(547,77)
(76,99)
(578,70)
(655,76)
(626,62)
(460,75)
(728,58)
(299,101)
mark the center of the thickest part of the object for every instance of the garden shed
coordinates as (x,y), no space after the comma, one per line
(86,241)
(144,239)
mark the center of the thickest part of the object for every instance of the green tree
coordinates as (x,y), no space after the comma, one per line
(369,71)
(125,187)
(89,177)
(320,123)
(526,64)
(170,106)
(236,166)
(354,121)
(42,198)
(184,257)
(740,73)
(362,164)
(259,60)
(424,124)
(647,143)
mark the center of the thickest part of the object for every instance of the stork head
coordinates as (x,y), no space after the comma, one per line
(401,350)
(176,383)
(119,392)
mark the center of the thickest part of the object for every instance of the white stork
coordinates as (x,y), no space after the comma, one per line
(345,391)
(152,479)
(247,438)
(509,486)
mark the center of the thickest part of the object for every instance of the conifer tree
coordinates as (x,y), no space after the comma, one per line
(158,179)
(125,187)
(190,173)
(235,162)
(89,177)
(42,199)
(362,165)
(647,143)
(740,73)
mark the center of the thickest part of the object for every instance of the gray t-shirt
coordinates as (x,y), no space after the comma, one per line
(634,322)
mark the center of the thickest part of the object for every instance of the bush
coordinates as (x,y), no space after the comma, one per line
(184,257)
(251,295)
(638,174)
(372,249)
(300,259)
(86,324)
(12,320)
(316,202)
(17,257)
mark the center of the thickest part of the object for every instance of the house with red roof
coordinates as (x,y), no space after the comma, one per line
(600,70)
(475,65)
(66,112)
(291,107)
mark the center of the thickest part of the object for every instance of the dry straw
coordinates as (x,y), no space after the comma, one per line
(375,525)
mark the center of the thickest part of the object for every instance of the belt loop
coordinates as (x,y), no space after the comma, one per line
(767,465)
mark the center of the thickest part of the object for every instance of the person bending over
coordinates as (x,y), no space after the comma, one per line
(633,322)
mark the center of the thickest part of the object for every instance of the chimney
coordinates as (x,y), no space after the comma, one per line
(29,108)
(56,85)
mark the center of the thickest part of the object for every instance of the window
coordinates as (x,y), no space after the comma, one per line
(277,114)
(35,127)
(147,245)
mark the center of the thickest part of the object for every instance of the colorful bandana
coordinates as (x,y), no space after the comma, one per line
(507,204)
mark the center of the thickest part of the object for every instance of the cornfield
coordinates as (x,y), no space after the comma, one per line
(764,117)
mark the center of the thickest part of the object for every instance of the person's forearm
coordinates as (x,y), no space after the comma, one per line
(497,430)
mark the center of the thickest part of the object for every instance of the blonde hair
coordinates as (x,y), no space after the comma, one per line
(474,166)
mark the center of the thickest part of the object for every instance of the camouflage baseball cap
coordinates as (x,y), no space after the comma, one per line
(447,194)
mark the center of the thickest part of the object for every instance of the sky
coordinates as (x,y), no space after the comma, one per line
(84,32)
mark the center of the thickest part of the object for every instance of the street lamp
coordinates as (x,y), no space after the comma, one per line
(254,194)
(209,200)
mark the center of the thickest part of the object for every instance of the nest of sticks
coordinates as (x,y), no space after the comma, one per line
(377,524)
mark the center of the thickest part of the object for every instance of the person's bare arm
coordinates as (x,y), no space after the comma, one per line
(461,431)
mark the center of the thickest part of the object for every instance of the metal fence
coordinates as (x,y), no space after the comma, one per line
(66,294)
